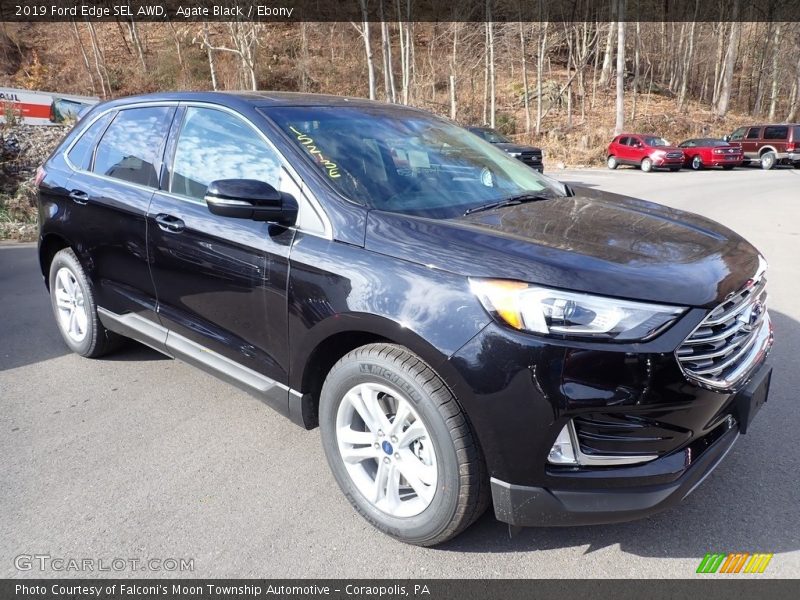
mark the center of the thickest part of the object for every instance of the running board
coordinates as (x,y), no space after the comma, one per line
(271,392)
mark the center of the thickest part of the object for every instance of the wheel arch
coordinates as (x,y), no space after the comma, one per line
(766,149)
(313,360)
(49,246)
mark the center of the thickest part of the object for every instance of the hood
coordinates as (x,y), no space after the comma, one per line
(664,148)
(509,147)
(593,242)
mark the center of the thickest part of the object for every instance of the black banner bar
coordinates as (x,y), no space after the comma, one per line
(289,11)
(705,587)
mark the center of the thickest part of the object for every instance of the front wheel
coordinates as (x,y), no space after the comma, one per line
(647,165)
(697,163)
(399,446)
(612,162)
(768,161)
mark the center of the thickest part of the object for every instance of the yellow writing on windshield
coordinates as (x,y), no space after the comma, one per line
(308,142)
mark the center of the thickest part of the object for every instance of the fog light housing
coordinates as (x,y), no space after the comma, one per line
(563,450)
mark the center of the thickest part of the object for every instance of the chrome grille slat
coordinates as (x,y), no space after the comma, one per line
(730,340)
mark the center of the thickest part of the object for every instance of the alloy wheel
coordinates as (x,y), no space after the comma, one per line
(386,449)
(70,304)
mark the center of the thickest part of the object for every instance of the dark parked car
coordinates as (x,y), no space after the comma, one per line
(706,152)
(530,155)
(769,145)
(460,327)
(645,151)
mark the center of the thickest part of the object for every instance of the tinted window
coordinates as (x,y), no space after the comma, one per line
(776,133)
(217,145)
(623,141)
(687,144)
(738,134)
(655,141)
(796,133)
(80,155)
(753,133)
(131,146)
(406,161)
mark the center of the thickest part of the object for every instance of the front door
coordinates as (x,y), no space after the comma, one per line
(221,282)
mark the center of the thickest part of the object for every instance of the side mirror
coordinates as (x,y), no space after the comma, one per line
(250,199)
(727,138)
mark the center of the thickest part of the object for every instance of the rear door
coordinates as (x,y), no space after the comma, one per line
(221,282)
(111,190)
(777,137)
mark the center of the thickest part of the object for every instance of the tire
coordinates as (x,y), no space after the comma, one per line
(647,165)
(768,160)
(441,454)
(75,309)
(612,162)
(697,163)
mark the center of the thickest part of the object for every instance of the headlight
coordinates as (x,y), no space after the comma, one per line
(570,314)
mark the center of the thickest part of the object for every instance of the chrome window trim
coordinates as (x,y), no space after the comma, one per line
(308,197)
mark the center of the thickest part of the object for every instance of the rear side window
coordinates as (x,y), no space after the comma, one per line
(217,145)
(796,133)
(130,149)
(778,132)
(80,155)
(753,133)
(623,141)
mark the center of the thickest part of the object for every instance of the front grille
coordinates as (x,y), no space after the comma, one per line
(531,158)
(732,337)
(674,155)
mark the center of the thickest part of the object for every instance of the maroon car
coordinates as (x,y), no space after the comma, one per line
(646,151)
(708,152)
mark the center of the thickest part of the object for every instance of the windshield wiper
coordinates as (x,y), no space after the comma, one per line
(511,201)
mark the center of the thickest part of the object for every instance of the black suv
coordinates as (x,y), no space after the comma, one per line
(530,155)
(460,327)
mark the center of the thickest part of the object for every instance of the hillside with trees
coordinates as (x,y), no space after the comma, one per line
(565,86)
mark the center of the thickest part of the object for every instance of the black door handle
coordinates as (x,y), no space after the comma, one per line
(79,197)
(170,223)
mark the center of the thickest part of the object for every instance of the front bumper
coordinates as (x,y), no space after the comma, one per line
(657,485)
(528,506)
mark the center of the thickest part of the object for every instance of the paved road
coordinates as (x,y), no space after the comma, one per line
(138,456)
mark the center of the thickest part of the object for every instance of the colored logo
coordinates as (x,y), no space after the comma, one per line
(740,562)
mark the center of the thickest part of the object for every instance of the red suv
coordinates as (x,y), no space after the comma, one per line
(769,145)
(645,151)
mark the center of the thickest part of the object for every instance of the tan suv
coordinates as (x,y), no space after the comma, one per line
(769,145)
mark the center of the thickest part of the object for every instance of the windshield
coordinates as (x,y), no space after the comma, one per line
(491,136)
(410,162)
(655,141)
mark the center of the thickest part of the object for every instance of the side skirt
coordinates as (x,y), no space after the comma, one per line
(285,400)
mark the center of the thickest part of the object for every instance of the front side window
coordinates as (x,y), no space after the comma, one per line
(753,133)
(130,149)
(406,162)
(80,155)
(214,144)
(738,134)
(778,132)
(687,144)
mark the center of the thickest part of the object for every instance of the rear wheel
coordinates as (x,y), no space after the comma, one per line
(697,163)
(647,165)
(612,162)
(767,160)
(75,309)
(400,447)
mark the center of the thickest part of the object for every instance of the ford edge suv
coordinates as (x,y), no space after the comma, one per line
(462,329)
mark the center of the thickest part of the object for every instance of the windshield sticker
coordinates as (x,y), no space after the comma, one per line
(308,142)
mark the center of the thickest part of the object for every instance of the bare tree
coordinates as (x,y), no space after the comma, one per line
(363,30)
(386,53)
(723,101)
(84,56)
(620,124)
(687,64)
(205,42)
(525,94)
(605,73)
(490,62)
(773,101)
(99,61)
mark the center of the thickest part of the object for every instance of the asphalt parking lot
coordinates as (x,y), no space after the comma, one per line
(139,456)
